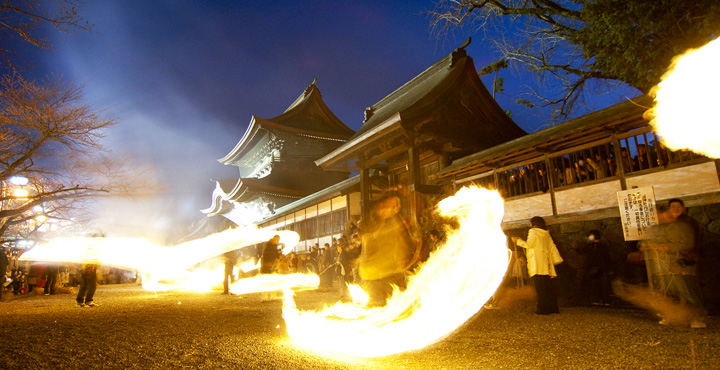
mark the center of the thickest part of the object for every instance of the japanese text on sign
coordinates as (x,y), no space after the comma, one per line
(638,213)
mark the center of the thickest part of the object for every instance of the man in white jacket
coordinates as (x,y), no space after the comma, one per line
(539,249)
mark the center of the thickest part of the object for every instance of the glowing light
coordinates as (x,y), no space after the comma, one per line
(162,268)
(21,193)
(450,288)
(687,110)
(274,282)
(19,180)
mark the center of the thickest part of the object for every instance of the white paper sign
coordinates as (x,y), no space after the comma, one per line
(638,213)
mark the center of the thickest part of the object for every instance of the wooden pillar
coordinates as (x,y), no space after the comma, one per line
(550,175)
(364,189)
(415,179)
(620,173)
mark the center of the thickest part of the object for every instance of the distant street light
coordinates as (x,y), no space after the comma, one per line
(19,180)
(20,193)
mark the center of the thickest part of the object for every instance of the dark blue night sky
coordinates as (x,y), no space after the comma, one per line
(184,77)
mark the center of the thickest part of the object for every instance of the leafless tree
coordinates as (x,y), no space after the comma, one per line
(24,20)
(50,137)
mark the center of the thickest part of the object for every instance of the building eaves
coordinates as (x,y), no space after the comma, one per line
(330,192)
(620,117)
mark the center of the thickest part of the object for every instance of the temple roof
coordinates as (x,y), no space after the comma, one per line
(307,115)
(447,104)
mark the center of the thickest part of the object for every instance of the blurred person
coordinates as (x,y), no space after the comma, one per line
(51,273)
(283,264)
(539,251)
(270,255)
(312,260)
(678,210)
(595,278)
(88,284)
(293,262)
(673,272)
(390,247)
(4,262)
(327,274)
(347,257)
(229,259)
(268,263)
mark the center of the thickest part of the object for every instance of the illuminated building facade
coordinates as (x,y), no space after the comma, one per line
(275,160)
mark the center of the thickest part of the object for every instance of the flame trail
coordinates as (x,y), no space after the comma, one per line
(687,110)
(163,268)
(450,288)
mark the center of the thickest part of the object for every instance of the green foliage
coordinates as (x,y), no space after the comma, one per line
(634,40)
(493,67)
(498,85)
(526,103)
(569,43)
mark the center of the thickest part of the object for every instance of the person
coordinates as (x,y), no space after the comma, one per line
(673,273)
(390,246)
(347,256)
(229,258)
(4,262)
(51,273)
(88,284)
(293,262)
(678,211)
(327,274)
(269,256)
(539,251)
(595,278)
(268,263)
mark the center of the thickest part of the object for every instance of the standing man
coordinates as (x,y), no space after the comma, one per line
(268,261)
(230,259)
(390,247)
(269,256)
(88,284)
(51,273)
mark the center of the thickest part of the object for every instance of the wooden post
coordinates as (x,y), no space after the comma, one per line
(619,162)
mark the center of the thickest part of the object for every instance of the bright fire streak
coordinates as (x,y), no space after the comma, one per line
(162,268)
(450,288)
(274,282)
(687,110)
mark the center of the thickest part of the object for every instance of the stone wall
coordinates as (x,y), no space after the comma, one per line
(569,236)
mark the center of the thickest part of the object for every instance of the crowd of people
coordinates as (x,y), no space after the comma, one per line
(587,165)
(381,252)
(25,277)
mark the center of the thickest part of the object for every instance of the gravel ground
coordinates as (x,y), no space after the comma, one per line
(135,329)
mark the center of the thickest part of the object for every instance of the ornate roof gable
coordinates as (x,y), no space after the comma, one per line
(307,115)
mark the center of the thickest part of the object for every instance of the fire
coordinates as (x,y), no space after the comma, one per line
(162,268)
(450,288)
(688,102)
(274,282)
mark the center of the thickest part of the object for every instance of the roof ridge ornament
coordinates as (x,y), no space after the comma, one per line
(309,88)
(460,52)
(368,113)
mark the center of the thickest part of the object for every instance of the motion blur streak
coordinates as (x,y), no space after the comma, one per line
(162,268)
(447,290)
(687,102)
